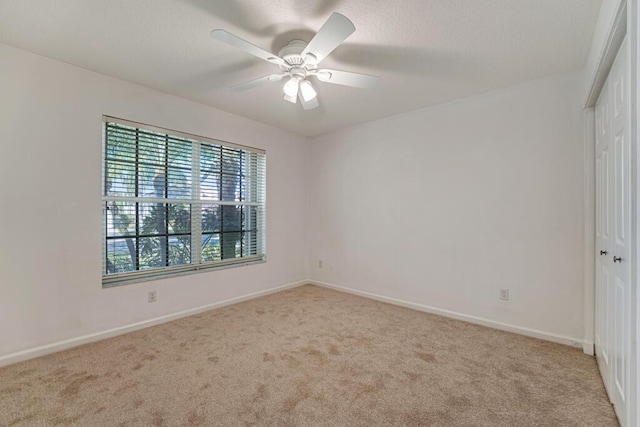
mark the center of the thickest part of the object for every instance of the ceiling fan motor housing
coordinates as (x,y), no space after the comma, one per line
(297,64)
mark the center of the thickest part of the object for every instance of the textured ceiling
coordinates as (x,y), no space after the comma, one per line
(426,51)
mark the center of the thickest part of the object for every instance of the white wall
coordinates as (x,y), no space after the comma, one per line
(50,217)
(444,206)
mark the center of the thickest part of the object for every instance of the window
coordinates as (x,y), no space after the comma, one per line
(175,203)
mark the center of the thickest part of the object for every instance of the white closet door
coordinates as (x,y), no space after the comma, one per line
(621,303)
(603,237)
(613,238)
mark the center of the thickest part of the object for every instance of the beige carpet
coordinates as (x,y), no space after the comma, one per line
(309,356)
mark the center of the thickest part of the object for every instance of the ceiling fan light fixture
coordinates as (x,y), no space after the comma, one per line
(291,99)
(308,93)
(291,87)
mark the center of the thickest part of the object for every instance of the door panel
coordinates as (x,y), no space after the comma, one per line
(620,333)
(613,214)
(621,309)
(603,239)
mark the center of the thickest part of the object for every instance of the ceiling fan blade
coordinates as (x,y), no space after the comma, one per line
(336,30)
(242,44)
(310,104)
(346,78)
(256,82)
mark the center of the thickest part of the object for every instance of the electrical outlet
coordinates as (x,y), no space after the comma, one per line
(152,297)
(320,263)
(504,294)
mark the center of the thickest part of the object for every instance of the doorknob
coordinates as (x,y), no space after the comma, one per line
(617,259)
(603,252)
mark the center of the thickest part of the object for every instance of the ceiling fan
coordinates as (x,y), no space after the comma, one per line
(299,60)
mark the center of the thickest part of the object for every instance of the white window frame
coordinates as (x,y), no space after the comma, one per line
(258,186)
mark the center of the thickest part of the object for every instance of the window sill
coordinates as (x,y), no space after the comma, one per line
(147,276)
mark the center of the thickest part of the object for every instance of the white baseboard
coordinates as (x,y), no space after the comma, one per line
(588,347)
(85,339)
(548,336)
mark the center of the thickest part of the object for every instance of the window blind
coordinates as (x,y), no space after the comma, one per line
(175,203)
